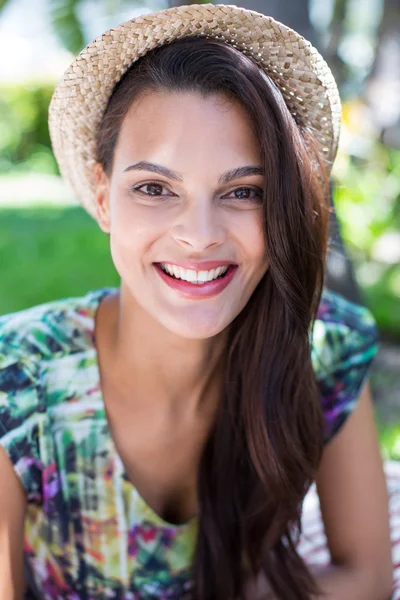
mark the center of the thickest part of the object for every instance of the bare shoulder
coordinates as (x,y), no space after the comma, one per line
(353,494)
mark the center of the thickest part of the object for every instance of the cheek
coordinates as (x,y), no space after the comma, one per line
(134,231)
(249,232)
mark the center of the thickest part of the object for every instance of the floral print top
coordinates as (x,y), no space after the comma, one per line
(88,533)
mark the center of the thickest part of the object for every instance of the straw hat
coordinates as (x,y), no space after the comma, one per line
(78,103)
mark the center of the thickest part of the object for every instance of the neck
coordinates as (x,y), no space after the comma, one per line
(179,375)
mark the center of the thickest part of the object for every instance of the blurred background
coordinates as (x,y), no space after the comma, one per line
(50,248)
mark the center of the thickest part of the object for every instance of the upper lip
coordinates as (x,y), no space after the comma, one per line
(195,265)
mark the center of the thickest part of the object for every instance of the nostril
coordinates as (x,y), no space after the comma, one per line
(199,236)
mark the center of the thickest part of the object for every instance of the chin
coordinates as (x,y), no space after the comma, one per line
(197,328)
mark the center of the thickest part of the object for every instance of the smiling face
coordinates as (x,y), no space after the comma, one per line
(183,207)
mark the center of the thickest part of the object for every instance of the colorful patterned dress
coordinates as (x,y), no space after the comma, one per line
(88,533)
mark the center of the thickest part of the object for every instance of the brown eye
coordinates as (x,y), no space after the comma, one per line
(246,193)
(243,193)
(153,189)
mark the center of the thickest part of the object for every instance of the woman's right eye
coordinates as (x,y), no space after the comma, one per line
(153,189)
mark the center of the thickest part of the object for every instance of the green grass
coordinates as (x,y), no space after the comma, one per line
(48,253)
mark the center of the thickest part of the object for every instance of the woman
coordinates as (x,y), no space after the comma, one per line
(166,433)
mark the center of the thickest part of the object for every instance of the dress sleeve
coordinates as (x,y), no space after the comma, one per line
(344,343)
(21,418)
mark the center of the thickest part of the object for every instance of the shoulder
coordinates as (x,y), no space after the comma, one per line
(51,328)
(29,340)
(341,329)
(335,308)
(32,338)
(344,342)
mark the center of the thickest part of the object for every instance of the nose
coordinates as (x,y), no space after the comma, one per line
(199,227)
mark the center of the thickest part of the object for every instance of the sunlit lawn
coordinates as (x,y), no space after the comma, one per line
(49,252)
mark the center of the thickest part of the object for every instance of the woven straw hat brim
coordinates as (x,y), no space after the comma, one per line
(303,77)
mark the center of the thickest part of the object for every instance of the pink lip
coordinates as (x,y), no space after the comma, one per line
(203,290)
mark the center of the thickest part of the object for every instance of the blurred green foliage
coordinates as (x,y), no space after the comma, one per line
(66,23)
(24,134)
(389,438)
(367,200)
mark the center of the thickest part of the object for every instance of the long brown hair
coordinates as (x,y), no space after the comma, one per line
(263,451)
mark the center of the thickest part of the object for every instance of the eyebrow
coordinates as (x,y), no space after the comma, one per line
(224,178)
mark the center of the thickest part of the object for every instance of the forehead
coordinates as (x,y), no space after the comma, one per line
(176,125)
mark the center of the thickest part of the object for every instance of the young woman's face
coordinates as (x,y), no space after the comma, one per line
(184,211)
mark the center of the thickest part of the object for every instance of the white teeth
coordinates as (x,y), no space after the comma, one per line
(203,276)
(189,275)
(196,277)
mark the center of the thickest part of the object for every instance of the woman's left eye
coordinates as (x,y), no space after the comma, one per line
(247,193)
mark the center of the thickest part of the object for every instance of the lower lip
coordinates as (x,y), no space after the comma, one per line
(203,290)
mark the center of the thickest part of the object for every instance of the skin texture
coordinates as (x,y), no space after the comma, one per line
(159,423)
